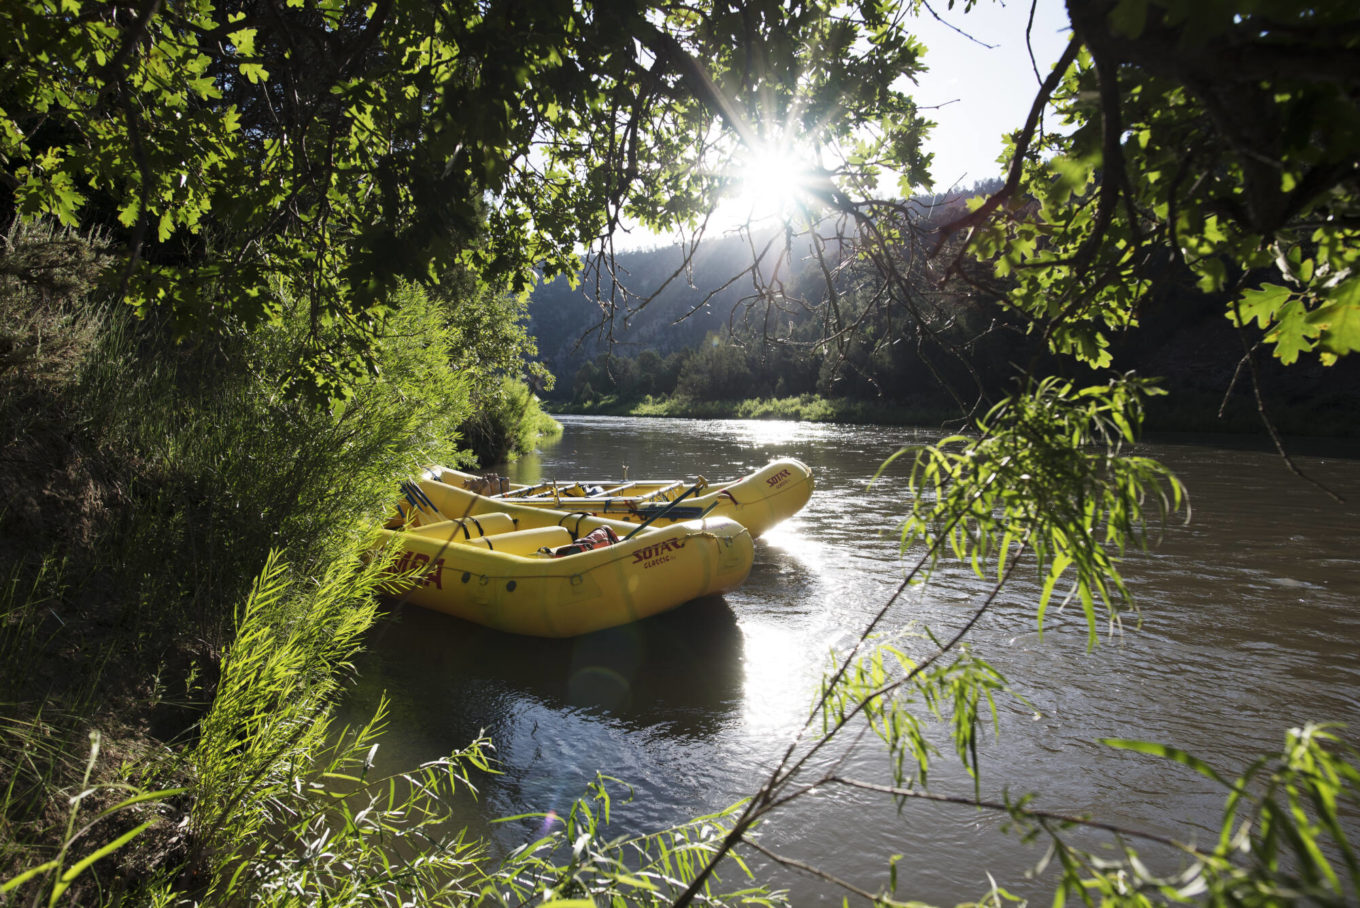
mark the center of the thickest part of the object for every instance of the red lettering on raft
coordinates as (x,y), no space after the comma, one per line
(656,549)
(410,561)
(778,477)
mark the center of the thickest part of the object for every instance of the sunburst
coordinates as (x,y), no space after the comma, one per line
(770,181)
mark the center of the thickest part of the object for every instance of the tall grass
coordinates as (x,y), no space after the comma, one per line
(283,806)
(160,476)
(189,541)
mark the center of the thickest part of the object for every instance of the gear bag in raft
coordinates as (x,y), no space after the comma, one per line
(596,539)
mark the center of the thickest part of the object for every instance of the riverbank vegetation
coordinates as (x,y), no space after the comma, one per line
(1195,414)
(260,259)
(183,583)
(805,408)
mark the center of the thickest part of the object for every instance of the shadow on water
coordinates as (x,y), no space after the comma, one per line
(681,671)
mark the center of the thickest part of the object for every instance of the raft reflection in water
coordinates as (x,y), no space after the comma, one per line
(451,679)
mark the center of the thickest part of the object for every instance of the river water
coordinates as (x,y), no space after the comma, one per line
(1249,626)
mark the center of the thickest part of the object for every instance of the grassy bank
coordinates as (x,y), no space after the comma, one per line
(186,579)
(1185,411)
(806,408)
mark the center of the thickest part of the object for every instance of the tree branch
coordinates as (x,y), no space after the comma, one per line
(981,804)
(974,218)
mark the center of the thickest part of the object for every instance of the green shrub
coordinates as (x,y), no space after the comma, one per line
(222,463)
(168,473)
(508,421)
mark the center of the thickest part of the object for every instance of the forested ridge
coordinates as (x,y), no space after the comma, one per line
(700,335)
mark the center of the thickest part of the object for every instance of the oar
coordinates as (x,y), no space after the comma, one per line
(419,500)
(410,499)
(684,513)
(667,509)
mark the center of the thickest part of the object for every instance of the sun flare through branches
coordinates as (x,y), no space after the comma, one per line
(769,181)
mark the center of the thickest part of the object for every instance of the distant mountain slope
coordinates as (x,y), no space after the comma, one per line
(1183,338)
(569,324)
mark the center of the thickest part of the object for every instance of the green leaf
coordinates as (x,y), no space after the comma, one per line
(127,214)
(142,798)
(1262,305)
(17,881)
(255,73)
(1338,321)
(244,41)
(1170,753)
(1292,332)
(1061,562)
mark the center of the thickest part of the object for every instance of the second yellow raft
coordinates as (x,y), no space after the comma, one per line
(757,501)
(496,567)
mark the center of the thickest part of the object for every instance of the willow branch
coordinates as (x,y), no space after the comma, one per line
(981,804)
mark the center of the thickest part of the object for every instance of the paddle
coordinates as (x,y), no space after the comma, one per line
(702,483)
(685,513)
(417,497)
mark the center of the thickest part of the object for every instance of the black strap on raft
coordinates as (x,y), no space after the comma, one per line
(579,515)
(477,523)
(684,513)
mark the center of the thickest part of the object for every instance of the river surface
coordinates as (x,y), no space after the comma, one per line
(1249,626)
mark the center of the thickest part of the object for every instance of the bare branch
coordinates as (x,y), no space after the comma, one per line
(974,218)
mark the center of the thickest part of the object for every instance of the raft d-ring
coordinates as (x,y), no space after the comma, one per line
(485,580)
(575,579)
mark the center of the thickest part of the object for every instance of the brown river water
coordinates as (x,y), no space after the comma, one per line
(1250,625)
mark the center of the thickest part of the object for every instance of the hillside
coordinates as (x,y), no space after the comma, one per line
(571,327)
(658,344)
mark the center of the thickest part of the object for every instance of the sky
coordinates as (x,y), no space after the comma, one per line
(979,93)
(978,86)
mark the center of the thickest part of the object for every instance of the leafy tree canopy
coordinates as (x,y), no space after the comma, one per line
(248,151)
(1221,137)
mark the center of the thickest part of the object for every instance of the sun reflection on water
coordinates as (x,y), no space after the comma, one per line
(780,672)
(762,432)
(794,541)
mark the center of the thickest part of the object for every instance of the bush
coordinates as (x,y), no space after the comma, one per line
(169,473)
(507,422)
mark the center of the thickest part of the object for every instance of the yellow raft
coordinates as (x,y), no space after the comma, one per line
(757,501)
(490,562)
